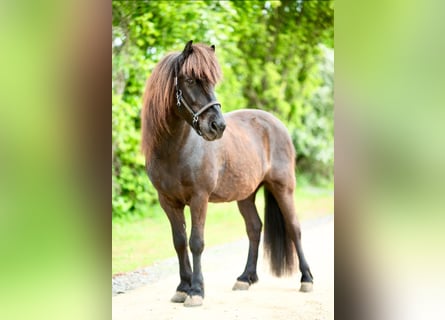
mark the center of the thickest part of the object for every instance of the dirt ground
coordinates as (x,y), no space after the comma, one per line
(270,298)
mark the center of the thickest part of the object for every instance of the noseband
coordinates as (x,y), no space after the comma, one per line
(181,101)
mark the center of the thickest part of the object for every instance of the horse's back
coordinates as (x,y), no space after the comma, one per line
(264,128)
(257,119)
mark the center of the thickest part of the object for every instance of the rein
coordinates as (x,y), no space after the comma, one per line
(181,101)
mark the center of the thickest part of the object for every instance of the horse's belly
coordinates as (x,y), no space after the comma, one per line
(226,196)
(233,187)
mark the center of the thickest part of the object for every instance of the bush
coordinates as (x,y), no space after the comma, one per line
(132,192)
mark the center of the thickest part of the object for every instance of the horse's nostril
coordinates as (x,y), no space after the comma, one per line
(217,126)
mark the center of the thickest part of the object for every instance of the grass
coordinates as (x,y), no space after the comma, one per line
(138,243)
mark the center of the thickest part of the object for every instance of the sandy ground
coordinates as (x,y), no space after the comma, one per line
(270,298)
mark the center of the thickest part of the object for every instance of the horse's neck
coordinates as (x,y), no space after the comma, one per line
(170,145)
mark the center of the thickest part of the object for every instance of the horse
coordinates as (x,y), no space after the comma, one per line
(194,155)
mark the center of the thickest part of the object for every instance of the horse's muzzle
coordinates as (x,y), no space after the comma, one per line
(218,126)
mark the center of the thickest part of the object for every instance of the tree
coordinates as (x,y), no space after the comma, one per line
(273,55)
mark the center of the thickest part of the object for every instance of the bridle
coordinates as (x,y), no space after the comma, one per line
(181,101)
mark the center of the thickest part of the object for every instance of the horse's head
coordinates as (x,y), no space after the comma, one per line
(196,73)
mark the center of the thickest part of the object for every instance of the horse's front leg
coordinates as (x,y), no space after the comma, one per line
(198,208)
(175,213)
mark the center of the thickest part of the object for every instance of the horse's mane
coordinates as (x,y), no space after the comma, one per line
(159,97)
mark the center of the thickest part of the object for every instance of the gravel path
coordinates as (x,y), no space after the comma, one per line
(148,291)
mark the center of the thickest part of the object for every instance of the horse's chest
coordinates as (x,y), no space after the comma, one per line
(177,179)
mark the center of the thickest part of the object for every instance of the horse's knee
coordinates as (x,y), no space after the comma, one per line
(180,241)
(257,227)
(254,231)
(196,244)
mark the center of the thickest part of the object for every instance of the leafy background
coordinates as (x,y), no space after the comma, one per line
(275,55)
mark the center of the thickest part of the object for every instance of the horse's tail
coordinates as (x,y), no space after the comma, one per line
(278,246)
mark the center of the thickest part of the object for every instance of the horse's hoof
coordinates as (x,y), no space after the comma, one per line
(306,286)
(179,297)
(241,285)
(193,301)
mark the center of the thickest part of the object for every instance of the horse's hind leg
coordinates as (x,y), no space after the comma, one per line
(253,227)
(285,201)
(175,213)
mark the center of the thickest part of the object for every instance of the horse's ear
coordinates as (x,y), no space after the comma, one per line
(188,49)
(213,47)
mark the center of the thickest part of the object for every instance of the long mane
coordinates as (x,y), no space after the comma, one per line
(159,97)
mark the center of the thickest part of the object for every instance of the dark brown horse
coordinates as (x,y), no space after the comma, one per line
(194,155)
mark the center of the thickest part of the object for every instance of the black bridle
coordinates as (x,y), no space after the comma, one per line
(181,101)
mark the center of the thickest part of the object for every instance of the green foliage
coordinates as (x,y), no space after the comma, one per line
(275,55)
(132,192)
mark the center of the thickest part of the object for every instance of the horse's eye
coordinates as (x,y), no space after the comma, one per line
(190,81)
